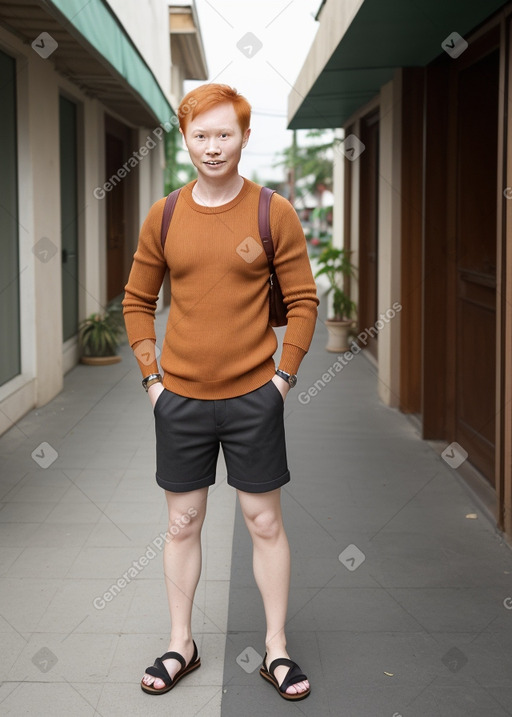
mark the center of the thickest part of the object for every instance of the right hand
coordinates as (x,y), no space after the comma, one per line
(154,392)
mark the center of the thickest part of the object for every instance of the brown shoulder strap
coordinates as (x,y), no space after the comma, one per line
(170,203)
(263,219)
(264,224)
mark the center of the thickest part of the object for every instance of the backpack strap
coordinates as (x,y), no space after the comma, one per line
(263,220)
(170,203)
(264,225)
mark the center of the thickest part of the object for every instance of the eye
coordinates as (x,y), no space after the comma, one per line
(199,136)
(224,135)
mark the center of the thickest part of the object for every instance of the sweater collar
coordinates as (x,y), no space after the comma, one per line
(187,195)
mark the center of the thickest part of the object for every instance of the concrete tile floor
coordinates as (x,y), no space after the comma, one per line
(418,628)
(69,529)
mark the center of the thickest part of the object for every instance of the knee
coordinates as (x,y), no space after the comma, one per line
(266,525)
(183,526)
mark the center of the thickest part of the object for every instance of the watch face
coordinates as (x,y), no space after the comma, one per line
(292,380)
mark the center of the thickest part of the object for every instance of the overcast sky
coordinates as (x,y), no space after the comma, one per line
(274,38)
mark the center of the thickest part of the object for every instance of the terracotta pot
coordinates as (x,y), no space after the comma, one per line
(337,341)
(100,360)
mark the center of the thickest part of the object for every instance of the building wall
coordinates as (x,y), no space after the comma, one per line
(147,23)
(389,230)
(177,81)
(389,239)
(338,183)
(44,358)
(336,17)
(444,227)
(353,241)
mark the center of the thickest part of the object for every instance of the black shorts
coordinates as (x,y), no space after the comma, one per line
(250,428)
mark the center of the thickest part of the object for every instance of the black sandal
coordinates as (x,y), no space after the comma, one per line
(293,676)
(158,670)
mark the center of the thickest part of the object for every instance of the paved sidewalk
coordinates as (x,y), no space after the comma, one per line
(413,621)
(71,530)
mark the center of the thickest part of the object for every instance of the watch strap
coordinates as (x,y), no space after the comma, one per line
(150,380)
(290,378)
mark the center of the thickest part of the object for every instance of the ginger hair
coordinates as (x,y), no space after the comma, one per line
(205,97)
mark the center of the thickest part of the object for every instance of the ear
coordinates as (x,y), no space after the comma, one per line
(247,134)
(183,140)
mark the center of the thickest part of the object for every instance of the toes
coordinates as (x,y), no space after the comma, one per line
(151,681)
(297,688)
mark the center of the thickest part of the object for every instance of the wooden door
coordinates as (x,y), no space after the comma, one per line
(473,277)
(368,228)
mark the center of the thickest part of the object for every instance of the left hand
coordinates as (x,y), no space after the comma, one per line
(282,386)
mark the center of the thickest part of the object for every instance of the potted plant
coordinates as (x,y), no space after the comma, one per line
(100,334)
(335,265)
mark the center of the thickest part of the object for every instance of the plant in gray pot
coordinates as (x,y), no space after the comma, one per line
(335,265)
(100,334)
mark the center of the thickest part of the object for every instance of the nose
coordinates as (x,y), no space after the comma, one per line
(213,147)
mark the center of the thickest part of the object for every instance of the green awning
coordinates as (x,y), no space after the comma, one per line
(384,35)
(98,25)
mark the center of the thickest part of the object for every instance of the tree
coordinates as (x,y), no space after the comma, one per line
(312,162)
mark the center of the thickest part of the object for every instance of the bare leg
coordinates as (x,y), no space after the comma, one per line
(271,565)
(182,568)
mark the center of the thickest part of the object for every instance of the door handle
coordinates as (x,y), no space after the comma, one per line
(67,255)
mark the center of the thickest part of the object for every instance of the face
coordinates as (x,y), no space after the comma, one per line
(214,141)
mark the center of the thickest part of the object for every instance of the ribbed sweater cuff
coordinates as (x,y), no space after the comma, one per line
(144,352)
(291,358)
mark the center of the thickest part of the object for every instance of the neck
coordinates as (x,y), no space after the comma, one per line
(211,193)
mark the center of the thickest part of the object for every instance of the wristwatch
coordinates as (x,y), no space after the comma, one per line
(290,378)
(150,380)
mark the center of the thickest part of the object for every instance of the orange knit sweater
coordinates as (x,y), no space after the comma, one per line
(218,342)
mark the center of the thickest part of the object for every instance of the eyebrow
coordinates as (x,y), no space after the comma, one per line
(221,129)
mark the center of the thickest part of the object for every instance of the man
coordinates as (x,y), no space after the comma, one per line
(219,383)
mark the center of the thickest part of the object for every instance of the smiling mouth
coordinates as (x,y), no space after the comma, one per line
(214,162)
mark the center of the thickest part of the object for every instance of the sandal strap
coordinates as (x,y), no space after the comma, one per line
(158,670)
(174,656)
(280,661)
(293,675)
